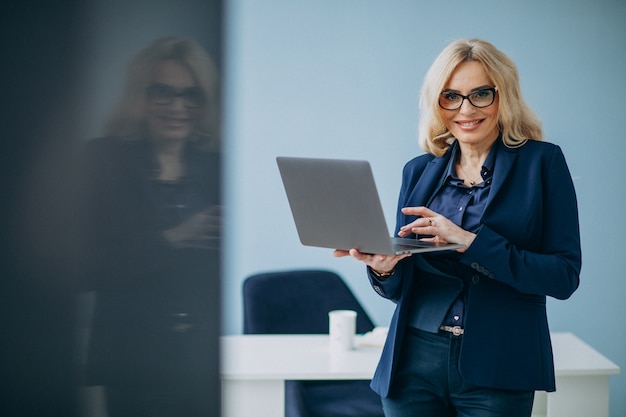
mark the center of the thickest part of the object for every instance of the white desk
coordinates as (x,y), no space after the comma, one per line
(254,368)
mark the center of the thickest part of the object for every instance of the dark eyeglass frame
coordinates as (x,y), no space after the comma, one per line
(494,91)
(193,97)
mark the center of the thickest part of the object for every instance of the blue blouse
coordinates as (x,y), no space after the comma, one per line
(464,206)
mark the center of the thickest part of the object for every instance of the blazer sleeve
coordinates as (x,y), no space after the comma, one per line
(544,257)
(392,288)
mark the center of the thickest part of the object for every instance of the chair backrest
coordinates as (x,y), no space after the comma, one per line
(297,302)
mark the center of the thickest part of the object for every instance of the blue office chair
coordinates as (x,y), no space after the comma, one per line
(298,302)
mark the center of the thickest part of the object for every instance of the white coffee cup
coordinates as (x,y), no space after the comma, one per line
(341,329)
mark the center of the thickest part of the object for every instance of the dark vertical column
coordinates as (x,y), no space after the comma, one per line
(41,63)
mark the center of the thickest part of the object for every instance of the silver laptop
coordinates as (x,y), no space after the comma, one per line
(335,205)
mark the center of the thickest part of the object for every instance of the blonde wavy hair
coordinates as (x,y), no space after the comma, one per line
(517,122)
(127,119)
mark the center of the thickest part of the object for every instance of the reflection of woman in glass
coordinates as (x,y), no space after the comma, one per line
(153,237)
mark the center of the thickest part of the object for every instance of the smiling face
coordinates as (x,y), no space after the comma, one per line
(171,119)
(471,126)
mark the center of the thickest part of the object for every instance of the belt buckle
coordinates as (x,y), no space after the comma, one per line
(455,330)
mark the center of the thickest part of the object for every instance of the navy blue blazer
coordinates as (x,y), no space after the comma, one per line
(527,248)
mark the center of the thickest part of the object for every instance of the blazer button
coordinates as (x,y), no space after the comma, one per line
(475,279)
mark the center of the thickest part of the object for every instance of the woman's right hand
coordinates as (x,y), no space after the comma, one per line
(380,263)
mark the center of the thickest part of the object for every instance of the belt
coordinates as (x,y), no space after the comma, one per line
(455,330)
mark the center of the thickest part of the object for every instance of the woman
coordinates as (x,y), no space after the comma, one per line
(153,226)
(469,336)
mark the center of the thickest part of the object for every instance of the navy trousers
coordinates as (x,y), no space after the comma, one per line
(428,383)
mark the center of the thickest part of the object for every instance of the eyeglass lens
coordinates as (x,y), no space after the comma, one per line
(451,100)
(165,94)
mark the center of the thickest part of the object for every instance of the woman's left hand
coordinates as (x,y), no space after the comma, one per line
(434,224)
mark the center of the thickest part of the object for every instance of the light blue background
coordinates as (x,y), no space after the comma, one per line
(340,78)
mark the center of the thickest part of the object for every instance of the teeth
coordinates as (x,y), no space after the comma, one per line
(468,124)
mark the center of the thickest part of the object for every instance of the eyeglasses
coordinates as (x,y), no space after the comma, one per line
(450,100)
(163,94)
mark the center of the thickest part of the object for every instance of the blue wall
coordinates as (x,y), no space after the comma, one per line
(335,78)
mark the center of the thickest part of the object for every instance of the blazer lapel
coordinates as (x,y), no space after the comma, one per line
(429,182)
(505,158)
